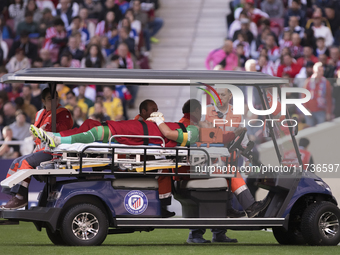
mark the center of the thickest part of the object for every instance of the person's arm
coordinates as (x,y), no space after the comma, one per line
(208,59)
(3,149)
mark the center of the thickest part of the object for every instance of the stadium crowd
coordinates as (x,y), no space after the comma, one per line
(77,34)
(294,39)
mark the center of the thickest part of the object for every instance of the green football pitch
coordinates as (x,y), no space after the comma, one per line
(25,239)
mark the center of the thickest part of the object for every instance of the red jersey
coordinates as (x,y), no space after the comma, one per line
(291,70)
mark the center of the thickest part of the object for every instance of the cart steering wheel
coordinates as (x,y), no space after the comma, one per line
(236,143)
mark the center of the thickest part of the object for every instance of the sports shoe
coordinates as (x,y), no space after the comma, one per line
(257,207)
(225,239)
(48,138)
(14,203)
(232,213)
(35,131)
(198,240)
(154,40)
(167,214)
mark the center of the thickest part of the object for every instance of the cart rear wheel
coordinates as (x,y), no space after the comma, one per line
(84,225)
(321,224)
(55,237)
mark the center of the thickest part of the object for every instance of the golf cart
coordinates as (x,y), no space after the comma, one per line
(92,191)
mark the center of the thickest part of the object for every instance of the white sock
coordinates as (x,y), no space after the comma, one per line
(20,197)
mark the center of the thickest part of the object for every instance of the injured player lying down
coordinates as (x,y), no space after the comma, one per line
(173,133)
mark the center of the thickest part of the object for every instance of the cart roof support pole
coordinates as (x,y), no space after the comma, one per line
(53,88)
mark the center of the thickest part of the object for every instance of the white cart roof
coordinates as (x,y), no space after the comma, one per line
(102,76)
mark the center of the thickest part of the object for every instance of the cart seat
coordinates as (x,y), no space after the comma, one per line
(205,184)
(135,183)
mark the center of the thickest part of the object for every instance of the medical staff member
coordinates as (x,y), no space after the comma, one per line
(43,120)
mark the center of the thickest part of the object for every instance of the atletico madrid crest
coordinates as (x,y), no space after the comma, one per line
(135,202)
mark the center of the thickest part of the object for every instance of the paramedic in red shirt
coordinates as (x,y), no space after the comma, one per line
(320,104)
(31,161)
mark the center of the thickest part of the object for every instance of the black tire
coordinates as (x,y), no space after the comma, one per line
(313,223)
(55,237)
(81,235)
(288,237)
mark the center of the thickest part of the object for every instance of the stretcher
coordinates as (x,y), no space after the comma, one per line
(111,157)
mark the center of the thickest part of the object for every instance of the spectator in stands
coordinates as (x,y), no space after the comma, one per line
(5,31)
(9,151)
(242,58)
(113,105)
(16,11)
(3,86)
(336,95)
(94,8)
(28,25)
(296,48)
(321,47)
(20,128)
(89,25)
(27,108)
(78,117)
(37,63)
(236,25)
(73,48)
(14,92)
(242,39)
(333,17)
(217,55)
(295,10)
(46,21)
(82,98)
(135,24)
(142,16)
(320,30)
(125,38)
(320,104)
(56,36)
(29,99)
(132,32)
(286,40)
(124,57)
(106,26)
(274,8)
(107,47)
(46,58)
(67,61)
(18,61)
(62,90)
(288,67)
(305,72)
(111,6)
(334,57)
(76,26)
(293,26)
(3,51)
(328,70)
(45,4)
(32,7)
(255,14)
(244,30)
(273,49)
(36,95)
(264,67)
(93,57)
(258,44)
(30,49)
(307,56)
(4,7)
(9,113)
(65,12)
(72,102)
(97,112)
(308,39)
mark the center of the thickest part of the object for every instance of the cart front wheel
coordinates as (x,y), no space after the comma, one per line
(321,224)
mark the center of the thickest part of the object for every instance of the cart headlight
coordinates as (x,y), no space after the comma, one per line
(52,196)
(324,185)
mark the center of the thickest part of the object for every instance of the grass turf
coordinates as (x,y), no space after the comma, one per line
(25,239)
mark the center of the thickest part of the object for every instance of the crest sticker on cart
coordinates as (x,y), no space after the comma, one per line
(135,202)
